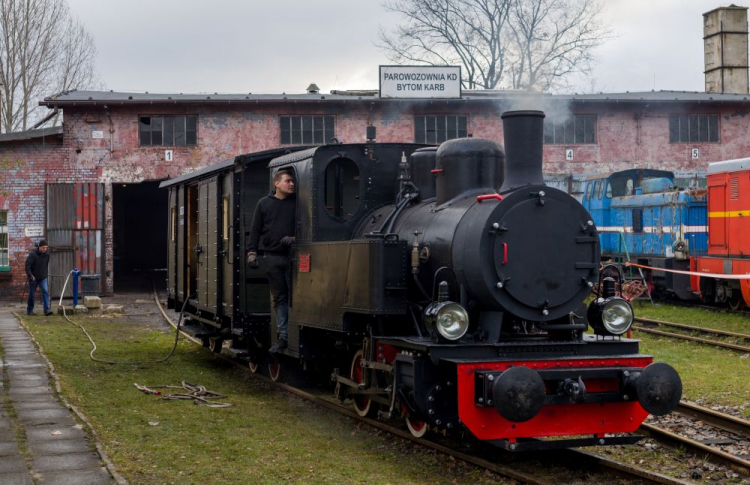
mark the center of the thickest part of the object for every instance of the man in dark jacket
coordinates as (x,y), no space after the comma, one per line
(271,235)
(36,272)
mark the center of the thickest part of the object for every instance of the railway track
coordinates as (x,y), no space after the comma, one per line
(646,325)
(483,456)
(715,309)
(738,427)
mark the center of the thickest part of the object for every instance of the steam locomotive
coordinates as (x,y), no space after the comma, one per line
(442,285)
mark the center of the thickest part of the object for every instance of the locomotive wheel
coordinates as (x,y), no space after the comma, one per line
(206,342)
(362,405)
(274,370)
(215,345)
(736,302)
(416,427)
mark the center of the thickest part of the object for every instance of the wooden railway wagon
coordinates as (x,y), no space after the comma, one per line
(728,235)
(210,214)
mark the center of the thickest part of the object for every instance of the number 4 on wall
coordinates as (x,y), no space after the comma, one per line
(569,154)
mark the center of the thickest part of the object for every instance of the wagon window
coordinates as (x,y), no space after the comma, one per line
(4,261)
(225,218)
(341,191)
(596,193)
(589,190)
(173,223)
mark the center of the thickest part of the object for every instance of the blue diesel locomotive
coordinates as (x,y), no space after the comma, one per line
(645,219)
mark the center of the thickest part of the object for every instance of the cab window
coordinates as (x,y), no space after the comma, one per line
(600,188)
(597,194)
(589,190)
(341,192)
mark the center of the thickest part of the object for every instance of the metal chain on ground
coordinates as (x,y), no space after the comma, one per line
(197,393)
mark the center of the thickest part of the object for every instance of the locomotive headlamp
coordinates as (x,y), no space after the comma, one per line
(448,318)
(610,316)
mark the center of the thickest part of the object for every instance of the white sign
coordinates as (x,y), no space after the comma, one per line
(695,153)
(569,154)
(168,155)
(34,231)
(97,135)
(420,82)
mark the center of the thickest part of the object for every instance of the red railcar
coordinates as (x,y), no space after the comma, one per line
(728,235)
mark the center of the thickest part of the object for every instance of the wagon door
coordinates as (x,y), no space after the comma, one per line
(717,216)
(226,249)
(207,249)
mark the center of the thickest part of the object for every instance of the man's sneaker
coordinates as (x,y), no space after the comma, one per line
(48,313)
(280,345)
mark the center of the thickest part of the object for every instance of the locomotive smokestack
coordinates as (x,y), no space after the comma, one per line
(524,138)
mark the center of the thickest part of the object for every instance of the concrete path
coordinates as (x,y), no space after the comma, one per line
(40,440)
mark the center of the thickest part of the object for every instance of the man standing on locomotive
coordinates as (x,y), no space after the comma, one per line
(271,236)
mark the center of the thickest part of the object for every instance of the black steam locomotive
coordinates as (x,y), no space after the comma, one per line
(445,285)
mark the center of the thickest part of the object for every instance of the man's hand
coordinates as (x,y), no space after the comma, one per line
(252,259)
(31,278)
(287,241)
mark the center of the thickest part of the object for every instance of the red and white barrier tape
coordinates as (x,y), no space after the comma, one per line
(694,273)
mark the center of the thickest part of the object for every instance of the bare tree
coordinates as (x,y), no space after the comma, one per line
(551,40)
(450,32)
(42,51)
(517,44)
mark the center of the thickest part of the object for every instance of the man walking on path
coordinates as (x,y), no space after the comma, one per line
(272,233)
(36,272)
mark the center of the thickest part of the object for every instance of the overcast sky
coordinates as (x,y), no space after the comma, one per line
(273,46)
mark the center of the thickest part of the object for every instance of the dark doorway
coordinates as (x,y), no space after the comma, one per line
(140,222)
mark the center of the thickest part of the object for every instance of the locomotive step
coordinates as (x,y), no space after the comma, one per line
(238,353)
(198,331)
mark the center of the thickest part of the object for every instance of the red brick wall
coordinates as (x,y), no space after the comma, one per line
(627,134)
(27,167)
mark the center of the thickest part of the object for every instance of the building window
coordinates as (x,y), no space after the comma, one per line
(693,128)
(306,130)
(4,261)
(571,130)
(433,130)
(168,130)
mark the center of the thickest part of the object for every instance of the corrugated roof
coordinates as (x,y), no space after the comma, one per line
(31,134)
(68,98)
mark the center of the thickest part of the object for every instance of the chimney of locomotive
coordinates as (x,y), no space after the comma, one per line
(524,138)
(466,164)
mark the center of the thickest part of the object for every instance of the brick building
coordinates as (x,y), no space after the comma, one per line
(91,187)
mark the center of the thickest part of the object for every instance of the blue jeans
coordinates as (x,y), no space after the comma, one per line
(45,295)
(279,274)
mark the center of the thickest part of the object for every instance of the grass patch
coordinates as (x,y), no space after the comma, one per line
(716,376)
(266,437)
(698,317)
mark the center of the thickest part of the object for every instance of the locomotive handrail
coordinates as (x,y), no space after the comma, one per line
(480,198)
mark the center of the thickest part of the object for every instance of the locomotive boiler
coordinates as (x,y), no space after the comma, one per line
(443,285)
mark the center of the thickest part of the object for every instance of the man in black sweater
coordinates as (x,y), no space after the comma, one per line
(36,272)
(271,235)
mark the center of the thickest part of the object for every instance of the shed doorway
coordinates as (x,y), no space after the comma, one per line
(140,223)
